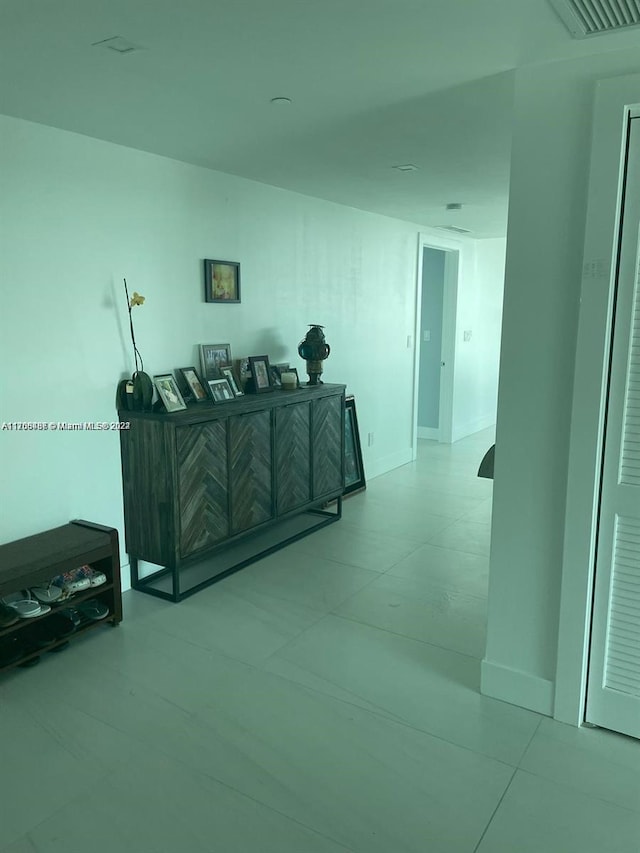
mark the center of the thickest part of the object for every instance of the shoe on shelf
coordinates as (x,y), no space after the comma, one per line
(93,610)
(95,577)
(79,579)
(72,616)
(11,650)
(70,583)
(49,631)
(38,636)
(25,605)
(8,616)
(47,594)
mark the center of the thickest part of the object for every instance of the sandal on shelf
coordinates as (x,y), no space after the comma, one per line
(25,605)
(71,615)
(93,609)
(47,594)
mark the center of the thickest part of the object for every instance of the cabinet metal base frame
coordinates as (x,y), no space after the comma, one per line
(166,582)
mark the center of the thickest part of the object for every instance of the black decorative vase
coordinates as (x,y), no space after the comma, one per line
(135,394)
(314,349)
(142,391)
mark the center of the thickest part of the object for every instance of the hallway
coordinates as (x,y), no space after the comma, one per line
(323,700)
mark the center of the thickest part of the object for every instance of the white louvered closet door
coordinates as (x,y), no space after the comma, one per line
(613,693)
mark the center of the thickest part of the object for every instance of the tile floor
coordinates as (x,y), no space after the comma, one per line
(323,700)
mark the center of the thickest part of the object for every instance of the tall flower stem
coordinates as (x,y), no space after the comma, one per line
(139,364)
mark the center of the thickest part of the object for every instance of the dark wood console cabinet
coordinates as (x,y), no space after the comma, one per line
(217,486)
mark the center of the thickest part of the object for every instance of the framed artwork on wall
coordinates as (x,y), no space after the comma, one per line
(221,281)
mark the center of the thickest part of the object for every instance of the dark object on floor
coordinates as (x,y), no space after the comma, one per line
(486,466)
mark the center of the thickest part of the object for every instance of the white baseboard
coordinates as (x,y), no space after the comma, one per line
(517,687)
(387,463)
(463,430)
(430,433)
(125,576)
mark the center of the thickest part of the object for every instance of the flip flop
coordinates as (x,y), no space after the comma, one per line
(47,594)
(93,609)
(25,605)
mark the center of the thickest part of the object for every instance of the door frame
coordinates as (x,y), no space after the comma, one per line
(452,249)
(616,102)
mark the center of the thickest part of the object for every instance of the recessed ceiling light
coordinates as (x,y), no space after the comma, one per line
(118,44)
(454,205)
(406,167)
(281,101)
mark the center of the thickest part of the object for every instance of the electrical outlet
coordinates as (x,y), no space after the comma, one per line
(370,439)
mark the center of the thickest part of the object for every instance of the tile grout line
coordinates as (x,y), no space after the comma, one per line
(495,811)
(387,715)
(402,636)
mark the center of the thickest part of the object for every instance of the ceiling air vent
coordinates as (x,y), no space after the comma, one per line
(454,228)
(584,18)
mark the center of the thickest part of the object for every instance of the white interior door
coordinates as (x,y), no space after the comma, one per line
(431,343)
(613,692)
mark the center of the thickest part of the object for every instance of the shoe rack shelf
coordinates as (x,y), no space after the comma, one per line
(33,561)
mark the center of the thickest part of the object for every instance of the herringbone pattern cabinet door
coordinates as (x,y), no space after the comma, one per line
(203,501)
(293,463)
(327,445)
(250,470)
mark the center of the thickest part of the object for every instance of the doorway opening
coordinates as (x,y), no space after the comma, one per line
(436,299)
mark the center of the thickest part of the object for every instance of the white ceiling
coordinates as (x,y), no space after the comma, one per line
(374,83)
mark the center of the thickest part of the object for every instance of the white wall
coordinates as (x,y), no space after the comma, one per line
(549,179)
(78,214)
(475,395)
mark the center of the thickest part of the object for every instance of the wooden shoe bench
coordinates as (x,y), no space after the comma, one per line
(35,560)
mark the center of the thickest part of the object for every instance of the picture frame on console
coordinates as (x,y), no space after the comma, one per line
(220,390)
(169,392)
(213,357)
(191,381)
(229,375)
(260,373)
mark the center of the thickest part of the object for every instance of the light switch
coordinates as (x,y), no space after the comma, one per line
(467,335)
(426,335)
